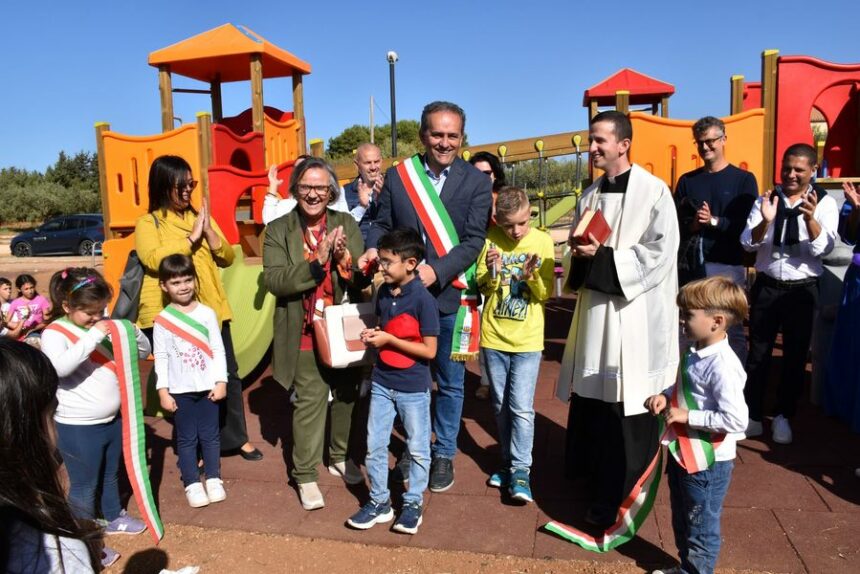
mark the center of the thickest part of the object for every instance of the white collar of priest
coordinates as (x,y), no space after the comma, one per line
(617,184)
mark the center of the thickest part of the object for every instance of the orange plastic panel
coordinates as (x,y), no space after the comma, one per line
(127,162)
(227,185)
(282,140)
(665,147)
(115,256)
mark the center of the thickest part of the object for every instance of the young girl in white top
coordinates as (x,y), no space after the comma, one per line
(89,428)
(192,376)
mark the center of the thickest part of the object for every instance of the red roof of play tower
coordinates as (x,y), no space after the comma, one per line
(643,89)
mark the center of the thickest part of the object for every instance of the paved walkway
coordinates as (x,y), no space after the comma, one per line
(789,509)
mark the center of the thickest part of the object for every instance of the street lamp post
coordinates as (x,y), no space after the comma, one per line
(392,58)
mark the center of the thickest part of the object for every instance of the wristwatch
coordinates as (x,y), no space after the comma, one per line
(714,221)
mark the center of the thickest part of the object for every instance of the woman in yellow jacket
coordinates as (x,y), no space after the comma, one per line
(174,226)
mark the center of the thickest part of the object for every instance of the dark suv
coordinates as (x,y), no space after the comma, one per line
(77,233)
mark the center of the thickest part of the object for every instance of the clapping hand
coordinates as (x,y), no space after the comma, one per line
(332,243)
(808,205)
(851,194)
(768,205)
(274,182)
(703,215)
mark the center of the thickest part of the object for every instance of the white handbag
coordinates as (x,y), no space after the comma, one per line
(338,335)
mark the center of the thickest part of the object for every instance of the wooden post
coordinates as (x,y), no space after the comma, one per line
(769,60)
(622,101)
(664,107)
(215,94)
(101,128)
(737,91)
(592,109)
(299,111)
(165,88)
(317,149)
(204,147)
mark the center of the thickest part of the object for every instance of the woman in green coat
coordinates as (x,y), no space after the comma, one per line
(308,257)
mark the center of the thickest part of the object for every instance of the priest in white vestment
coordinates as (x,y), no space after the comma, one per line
(623,340)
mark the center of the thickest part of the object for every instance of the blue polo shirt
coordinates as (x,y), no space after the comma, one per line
(415,300)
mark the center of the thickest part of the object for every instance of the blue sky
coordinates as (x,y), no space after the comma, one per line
(518,68)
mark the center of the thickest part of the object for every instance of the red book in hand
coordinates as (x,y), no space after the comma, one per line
(593,222)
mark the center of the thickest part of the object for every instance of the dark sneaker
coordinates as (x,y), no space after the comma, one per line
(500,479)
(441,474)
(409,520)
(370,514)
(400,472)
(125,524)
(521,489)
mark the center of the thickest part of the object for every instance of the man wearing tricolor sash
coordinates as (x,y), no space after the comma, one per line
(623,341)
(448,201)
(705,414)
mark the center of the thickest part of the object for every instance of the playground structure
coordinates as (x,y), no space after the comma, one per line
(229,155)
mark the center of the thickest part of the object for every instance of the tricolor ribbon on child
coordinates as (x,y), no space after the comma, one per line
(443,236)
(119,353)
(692,449)
(186,328)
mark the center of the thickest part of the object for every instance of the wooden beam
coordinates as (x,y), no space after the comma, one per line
(101,128)
(299,111)
(165,88)
(622,101)
(769,61)
(664,106)
(257,93)
(317,148)
(737,94)
(204,146)
(592,109)
(215,94)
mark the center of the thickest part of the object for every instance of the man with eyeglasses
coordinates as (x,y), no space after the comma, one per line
(427,192)
(713,202)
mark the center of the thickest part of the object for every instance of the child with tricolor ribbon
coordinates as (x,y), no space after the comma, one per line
(705,414)
(191,365)
(89,428)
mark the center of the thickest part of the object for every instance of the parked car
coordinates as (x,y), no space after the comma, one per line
(77,233)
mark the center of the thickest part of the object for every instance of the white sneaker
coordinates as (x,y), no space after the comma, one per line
(310,495)
(348,471)
(754,428)
(196,495)
(215,489)
(781,430)
(672,570)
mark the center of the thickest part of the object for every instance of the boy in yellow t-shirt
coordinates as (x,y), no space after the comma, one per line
(515,274)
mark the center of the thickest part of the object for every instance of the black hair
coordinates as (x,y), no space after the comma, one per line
(702,125)
(801,150)
(440,106)
(23,279)
(176,265)
(30,489)
(404,242)
(165,173)
(314,163)
(621,126)
(5,281)
(78,287)
(495,165)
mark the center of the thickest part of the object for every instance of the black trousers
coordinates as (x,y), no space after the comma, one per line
(610,450)
(774,307)
(234,433)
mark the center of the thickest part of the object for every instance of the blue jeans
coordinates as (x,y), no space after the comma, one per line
(449,396)
(697,501)
(414,411)
(513,378)
(91,455)
(196,423)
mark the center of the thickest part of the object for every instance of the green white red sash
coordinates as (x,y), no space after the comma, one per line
(631,515)
(120,354)
(186,328)
(443,236)
(692,449)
